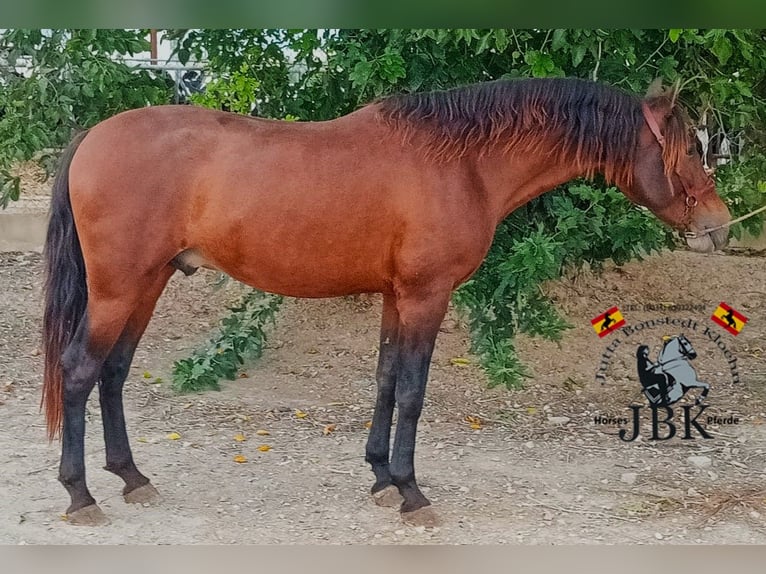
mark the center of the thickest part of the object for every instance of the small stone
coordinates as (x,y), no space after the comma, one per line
(692,492)
(558,420)
(755,514)
(700,461)
(420,529)
(399,532)
(628,477)
(658,536)
(529,445)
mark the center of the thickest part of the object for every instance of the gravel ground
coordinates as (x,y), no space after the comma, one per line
(537,470)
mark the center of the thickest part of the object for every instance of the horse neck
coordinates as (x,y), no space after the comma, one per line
(512,179)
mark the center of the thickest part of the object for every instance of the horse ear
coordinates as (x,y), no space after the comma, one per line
(675,89)
(655,89)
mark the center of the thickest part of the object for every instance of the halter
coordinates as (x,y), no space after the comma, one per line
(691,200)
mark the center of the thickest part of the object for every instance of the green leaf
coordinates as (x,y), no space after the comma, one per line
(578,53)
(559,39)
(722,49)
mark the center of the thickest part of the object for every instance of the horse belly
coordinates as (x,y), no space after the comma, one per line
(300,263)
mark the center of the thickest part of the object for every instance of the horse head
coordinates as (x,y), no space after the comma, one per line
(669,176)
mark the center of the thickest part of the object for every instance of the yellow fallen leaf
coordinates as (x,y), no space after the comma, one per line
(261,432)
(240,458)
(142,439)
(64,517)
(300,414)
(174,436)
(239,437)
(328,429)
(459,361)
(531,410)
(368,425)
(147,375)
(475,422)
(264,448)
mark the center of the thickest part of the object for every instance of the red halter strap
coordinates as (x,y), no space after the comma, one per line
(691,200)
(652,123)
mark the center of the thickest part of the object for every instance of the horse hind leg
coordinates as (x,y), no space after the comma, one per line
(119,458)
(81,365)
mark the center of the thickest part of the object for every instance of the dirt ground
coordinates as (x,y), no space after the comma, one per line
(537,471)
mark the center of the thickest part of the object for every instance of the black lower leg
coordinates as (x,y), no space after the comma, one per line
(417,335)
(378,442)
(119,458)
(80,370)
(410,392)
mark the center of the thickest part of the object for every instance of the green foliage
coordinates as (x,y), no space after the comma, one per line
(232,92)
(53,82)
(574,225)
(241,337)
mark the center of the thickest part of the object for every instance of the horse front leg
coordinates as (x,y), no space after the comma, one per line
(384,493)
(703,394)
(420,315)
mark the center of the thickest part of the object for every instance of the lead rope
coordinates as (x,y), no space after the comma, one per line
(708,231)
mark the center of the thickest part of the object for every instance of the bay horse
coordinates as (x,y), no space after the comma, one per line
(400,197)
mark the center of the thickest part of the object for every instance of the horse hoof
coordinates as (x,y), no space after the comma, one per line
(145,494)
(87,516)
(388,497)
(425,516)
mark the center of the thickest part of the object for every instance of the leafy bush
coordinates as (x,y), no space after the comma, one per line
(54,82)
(576,224)
(241,337)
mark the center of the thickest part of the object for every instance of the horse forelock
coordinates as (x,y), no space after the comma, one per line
(567,119)
(677,134)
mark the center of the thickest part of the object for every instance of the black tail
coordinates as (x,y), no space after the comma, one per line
(66,294)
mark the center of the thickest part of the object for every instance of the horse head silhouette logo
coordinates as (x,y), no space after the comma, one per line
(666,381)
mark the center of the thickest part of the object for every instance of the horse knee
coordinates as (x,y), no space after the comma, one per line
(410,403)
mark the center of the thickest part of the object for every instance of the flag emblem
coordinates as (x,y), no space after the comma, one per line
(729,319)
(607,322)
